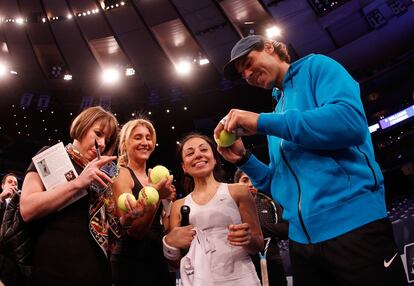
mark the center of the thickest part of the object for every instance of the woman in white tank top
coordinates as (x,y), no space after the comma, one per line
(222,216)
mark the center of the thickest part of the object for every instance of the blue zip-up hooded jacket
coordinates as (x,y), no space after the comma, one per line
(322,168)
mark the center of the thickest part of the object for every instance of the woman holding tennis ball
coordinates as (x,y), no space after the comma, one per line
(139,252)
(222,217)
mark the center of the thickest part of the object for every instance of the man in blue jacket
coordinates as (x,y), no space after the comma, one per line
(322,168)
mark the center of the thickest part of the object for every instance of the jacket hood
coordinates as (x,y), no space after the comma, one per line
(290,73)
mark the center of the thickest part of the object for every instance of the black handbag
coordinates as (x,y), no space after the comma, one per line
(16,240)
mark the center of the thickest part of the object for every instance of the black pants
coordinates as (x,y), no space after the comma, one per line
(152,271)
(364,256)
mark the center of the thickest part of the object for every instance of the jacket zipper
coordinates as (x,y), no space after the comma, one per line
(302,223)
(371,168)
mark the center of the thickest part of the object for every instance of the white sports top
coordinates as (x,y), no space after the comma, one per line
(230,265)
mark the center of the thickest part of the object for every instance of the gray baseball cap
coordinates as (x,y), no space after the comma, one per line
(241,48)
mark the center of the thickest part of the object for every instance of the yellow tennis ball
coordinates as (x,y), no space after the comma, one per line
(150,195)
(122,198)
(225,138)
(158,173)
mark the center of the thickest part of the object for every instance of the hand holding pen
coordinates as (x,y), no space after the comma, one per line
(93,173)
(98,153)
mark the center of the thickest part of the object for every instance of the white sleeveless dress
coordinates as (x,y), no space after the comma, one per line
(229,265)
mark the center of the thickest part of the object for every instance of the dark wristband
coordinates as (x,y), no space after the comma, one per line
(244,158)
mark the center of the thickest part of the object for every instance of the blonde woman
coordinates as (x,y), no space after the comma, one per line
(138,254)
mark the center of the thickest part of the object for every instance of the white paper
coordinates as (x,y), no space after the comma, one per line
(54,168)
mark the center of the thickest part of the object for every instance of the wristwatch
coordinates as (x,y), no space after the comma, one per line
(245,157)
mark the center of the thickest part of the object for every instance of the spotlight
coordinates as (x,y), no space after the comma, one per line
(183,68)
(203,62)
(129,72)
(273,32)
(69,16)
(3,70)
(110,76)
(67,77)
(20,21)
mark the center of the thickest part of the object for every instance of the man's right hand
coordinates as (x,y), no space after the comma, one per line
(246,121)
(235,152)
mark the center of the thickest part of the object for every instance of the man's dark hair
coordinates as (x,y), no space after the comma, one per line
(5,176)
(280,49)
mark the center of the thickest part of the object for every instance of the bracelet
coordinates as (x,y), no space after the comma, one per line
(171,253)
(245,157)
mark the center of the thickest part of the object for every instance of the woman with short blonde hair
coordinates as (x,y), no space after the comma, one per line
(138,254)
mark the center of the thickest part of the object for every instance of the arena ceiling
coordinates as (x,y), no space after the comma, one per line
(55,51)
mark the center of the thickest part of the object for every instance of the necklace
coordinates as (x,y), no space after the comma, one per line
(76,155)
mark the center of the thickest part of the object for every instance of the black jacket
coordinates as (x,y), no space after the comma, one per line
(15,236)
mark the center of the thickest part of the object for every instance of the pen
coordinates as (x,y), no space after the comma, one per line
(97,150)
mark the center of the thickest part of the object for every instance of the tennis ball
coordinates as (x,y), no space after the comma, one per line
(122,198)
(158,173)
(225,138)
(150,195)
